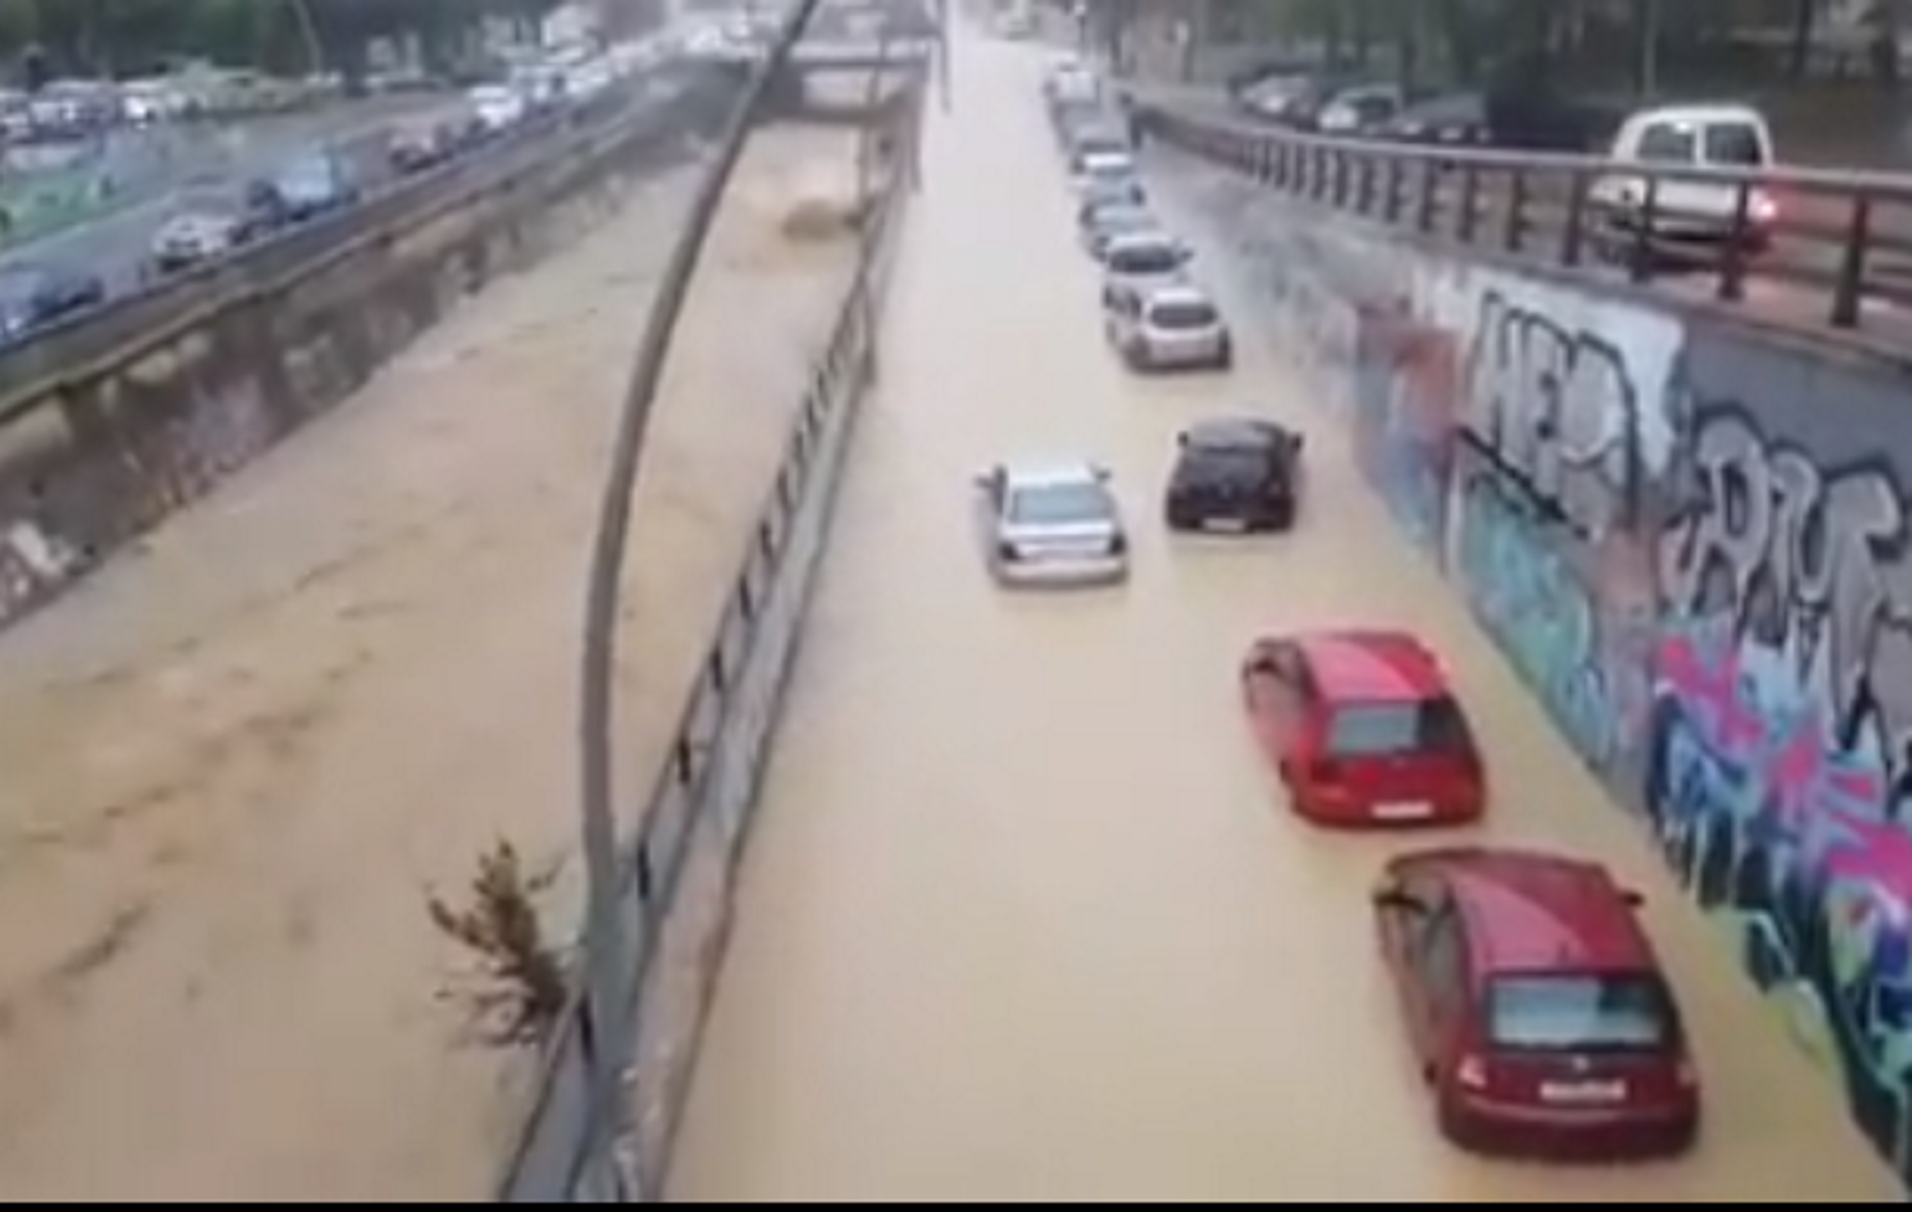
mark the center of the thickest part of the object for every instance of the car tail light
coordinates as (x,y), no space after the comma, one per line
(1119,545)
(1325,771)
(1008,552)
(1762,208)
(1471,1072)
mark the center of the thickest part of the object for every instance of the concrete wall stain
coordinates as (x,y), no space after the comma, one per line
(1696,549)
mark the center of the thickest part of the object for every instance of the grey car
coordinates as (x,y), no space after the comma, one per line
(1051,525)
(1141,260)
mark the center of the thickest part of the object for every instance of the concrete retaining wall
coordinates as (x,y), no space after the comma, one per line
(1692,538)
(122,448)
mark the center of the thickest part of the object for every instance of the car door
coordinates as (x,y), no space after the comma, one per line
(1441,982)
(1273,696)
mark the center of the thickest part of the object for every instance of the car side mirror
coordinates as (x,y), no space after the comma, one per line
(1102,474)
(1394,898)
(1181,440)
(1296,442)
(1633,898)
(985,479)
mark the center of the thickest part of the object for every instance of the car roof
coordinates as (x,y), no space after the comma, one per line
(1717,114)
(1050,474)
(1372,666)
(1532,911)
(1179,291)
(1233,433)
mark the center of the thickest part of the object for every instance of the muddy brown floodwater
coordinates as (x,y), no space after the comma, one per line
(1024,918)
(237,760)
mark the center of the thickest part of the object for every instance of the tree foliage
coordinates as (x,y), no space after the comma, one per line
(133,36)
(1466,38)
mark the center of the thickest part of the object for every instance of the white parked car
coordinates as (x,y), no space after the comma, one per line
(1694,216)
(1167,326)
(1052,524)
(498,107)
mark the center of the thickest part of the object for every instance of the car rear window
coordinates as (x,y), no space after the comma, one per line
(1182,315)
(1733,145)
(1580,1013)
(1059,504)
(1381,729)
(1145,259)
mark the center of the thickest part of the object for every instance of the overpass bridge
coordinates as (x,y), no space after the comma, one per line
(1023,917)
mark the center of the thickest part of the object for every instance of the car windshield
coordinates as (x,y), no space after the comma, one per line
(1182,314)
(1063,503)
(1229,465)
(1575,1012)
(1383,729)
(1151,258)
(1122,220)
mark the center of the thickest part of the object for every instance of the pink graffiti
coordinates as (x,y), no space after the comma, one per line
(1792,761)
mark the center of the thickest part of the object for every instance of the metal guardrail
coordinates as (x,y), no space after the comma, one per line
(1841,241)
(35,368)
(701,805)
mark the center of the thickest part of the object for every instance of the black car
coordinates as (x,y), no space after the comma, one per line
(301,190)
(1513,120)
(1235,474)
(34,296)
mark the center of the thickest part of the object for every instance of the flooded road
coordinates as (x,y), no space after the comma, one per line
(238,759)
(1025,918)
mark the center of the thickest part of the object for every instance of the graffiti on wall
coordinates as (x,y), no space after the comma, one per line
(1406,384)
(1562,437)
(1780,780)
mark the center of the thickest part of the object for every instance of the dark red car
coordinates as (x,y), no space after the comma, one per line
(1536,1006)
(1364,730)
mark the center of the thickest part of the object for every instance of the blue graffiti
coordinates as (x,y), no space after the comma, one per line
(1538,609)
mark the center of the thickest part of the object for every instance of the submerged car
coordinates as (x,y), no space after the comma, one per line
(1234,474)
(1536,1006)
(1166,326)
(1363,730)
(1051,524)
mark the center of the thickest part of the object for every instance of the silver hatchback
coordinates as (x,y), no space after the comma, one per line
(1052,525)
(1162,327)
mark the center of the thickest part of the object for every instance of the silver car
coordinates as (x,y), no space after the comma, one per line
(1140,259)
(1169,326)
(1052,525)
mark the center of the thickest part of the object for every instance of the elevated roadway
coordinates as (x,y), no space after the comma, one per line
(1024,917)
(201,164)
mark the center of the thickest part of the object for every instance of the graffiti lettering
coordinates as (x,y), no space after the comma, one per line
(1557,408)
(1537,607)
(1783,707)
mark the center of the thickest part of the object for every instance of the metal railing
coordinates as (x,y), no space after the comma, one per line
(1838,243)
(698,813)
(38,365)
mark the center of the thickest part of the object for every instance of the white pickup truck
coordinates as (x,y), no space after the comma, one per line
(1687,218)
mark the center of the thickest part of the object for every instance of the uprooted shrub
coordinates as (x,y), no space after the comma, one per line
(521,976)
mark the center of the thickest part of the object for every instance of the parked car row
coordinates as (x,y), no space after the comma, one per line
(1534,1004)
(77,108)
(216,222)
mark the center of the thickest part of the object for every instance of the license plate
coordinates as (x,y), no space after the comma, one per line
(1583,1093)
(1418,810)
(1228,525)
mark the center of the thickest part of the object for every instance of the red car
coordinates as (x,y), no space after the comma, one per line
(1536,1006)
(1363,730)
